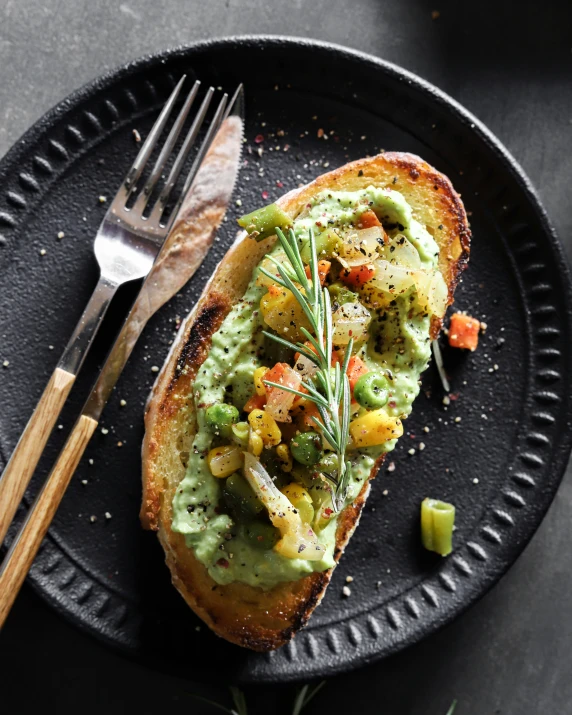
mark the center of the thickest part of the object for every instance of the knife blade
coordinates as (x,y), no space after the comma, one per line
(194,229)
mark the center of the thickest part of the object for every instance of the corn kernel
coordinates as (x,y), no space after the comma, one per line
(265,426)
(259,386)
(374,428)
(255,443)
(283,454)
(223,461)
(300,500)
(284,314)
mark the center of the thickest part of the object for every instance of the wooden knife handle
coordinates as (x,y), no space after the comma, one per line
(27,542)
(21,465)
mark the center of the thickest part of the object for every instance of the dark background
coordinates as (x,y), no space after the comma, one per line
(511,64)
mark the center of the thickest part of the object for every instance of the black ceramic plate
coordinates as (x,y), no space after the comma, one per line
(498,450)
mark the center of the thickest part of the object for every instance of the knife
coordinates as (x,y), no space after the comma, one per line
(201,213)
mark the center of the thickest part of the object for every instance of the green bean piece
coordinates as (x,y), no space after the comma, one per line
(240,498)
(220,418)
(260,535)
(264,221)
(306,448)
(240,434)
(327,243)
(437,521)
(371,390)
(340,294)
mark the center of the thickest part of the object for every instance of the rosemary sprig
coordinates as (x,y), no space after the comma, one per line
(329,392)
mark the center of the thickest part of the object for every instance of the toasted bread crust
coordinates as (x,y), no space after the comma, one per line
(257,619)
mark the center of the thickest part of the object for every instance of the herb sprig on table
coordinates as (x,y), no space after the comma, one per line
(329,392)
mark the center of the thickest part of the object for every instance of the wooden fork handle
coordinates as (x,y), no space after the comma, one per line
(27,542)
(21,465)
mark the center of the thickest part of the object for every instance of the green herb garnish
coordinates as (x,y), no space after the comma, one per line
(330,388)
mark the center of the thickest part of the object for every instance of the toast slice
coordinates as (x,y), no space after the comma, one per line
(246,615)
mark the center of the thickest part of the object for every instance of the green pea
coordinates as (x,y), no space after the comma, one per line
(328,463)
(260,535)
(371,390)
(240,498)
(306,448)
(220,418)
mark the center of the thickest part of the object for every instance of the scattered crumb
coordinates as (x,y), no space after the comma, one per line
(93,519)
(346,591)
(425,429)
(197,628)
(484,326)
(411,451)
(238,203)
(446,400)
(122,403)
(435,15)
(104,430)
(120,444)
(60,426)
(84,482)
(5,363)
(320,133)
(107,515)
(378,584)
(385,492)
(90,461)
(457,419)
(349,579)
(475,480)
(154,368)
(391,467)
(50,347)
(421,446)
(102,199)
(61,234)
(136,136)
(42,251)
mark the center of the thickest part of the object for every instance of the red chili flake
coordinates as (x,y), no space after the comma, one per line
(279,184)
(265,195)
(223,562)
(259,138)
(453,396)
(392,404)
(286,147)
(328,512)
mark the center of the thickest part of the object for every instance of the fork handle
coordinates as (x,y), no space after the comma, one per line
(26,543)
(21,465)
(19,470)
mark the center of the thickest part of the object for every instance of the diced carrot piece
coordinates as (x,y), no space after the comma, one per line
(323,270)
(305,411)
(358,276)
(464,331)
(275,373)
(368,219)
(356,368)
(274,289)
(256,402)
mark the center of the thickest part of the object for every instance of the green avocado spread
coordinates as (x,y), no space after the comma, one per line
(226,539)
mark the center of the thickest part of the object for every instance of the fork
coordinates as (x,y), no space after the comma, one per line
(126,245)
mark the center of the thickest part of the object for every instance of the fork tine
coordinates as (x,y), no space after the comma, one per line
(166,151)
(149,144)
(159,207)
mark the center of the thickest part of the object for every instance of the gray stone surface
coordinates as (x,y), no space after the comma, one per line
(510,64)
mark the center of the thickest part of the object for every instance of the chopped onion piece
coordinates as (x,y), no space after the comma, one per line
(305,367)
(392,278)
(298,538)
(432,292)
(261,278)
(440,366)
(361,246)
(402,252)
(351,322)
(278,401)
